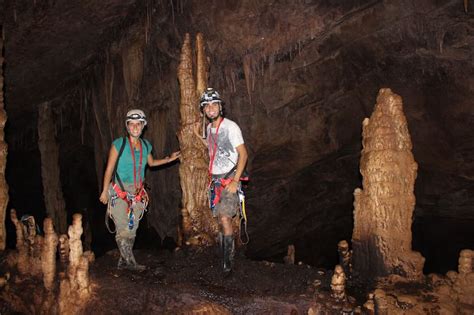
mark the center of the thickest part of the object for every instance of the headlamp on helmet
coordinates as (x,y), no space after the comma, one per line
(135,114)
(209,96)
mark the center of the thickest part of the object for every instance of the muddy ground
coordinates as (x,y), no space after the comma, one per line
(190,281)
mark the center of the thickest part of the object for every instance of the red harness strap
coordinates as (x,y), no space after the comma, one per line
(219,188)
(140,196)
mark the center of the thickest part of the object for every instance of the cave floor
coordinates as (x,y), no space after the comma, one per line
(191,280)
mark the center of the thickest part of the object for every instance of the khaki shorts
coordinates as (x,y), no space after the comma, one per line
(228,205)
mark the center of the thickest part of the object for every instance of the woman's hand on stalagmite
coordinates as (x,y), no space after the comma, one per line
(174,156)
(104,198)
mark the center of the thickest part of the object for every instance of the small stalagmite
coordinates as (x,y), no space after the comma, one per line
(198,226)
(345,257)
(64,248)
(463,284)
(29,230)
(465,261)
(48,257)
(369,305)
(381,305)
(22,261)
(382,237)
(75,287)
(289,259)
(75,244)
(338,284)
(3,157)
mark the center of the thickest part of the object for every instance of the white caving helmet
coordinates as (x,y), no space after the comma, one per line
(135,114)
(209,96)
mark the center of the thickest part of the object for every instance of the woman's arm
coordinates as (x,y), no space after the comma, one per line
(112,160)
(152,162)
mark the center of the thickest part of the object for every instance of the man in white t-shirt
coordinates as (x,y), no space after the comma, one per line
(227,159)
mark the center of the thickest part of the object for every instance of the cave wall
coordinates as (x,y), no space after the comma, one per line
(299,79)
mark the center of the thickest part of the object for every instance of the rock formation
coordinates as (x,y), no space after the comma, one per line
(3,157)
(52,190)
(198,226)
(64,248)
(345,257)
(75,287)
(338,284)
(383,209)
(48,256)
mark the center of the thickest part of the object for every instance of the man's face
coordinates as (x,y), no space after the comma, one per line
(135,128)
(212,110)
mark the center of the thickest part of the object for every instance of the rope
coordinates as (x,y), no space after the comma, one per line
(243,218)
(108,214)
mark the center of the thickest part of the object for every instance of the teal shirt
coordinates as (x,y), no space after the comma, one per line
(125,163)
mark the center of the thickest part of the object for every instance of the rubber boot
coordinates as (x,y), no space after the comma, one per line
(127,260)
(132,263)
(122,246)
(228,251)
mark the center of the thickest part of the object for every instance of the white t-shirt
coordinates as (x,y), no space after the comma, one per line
(223,155)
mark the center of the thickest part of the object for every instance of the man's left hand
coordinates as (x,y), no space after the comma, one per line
(232,187)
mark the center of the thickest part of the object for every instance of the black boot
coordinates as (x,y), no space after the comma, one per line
(228,253)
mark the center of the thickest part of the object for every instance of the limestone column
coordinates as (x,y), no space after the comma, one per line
(383,212)
(53,196)
(3,158)
(198,226)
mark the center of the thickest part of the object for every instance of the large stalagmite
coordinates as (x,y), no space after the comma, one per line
(53,196)
(383,211)
(198,226)
(3,158)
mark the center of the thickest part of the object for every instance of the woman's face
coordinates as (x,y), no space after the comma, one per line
(135,128)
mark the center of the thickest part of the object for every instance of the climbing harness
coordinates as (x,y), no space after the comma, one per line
(140,195)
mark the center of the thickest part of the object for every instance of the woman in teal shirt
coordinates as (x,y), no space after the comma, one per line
(123,185)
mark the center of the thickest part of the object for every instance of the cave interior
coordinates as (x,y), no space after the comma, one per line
(298,78)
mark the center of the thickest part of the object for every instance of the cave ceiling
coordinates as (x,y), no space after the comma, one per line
(300,78)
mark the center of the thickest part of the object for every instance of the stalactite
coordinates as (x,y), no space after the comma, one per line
(132,67)
(109,75)
(53,196)
(383,211)
(247,64)
(198,226)
(3,157)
